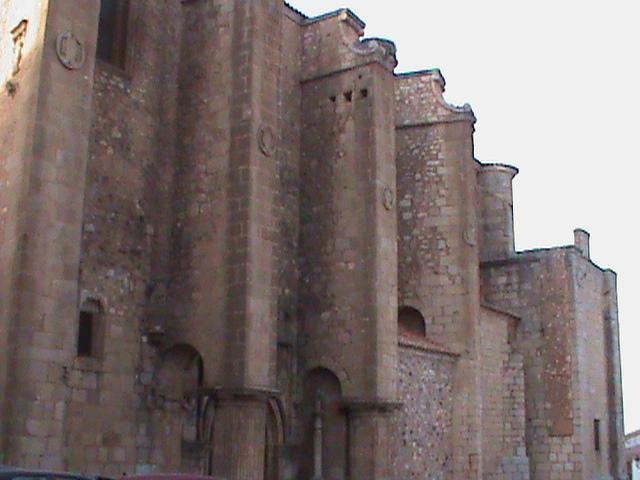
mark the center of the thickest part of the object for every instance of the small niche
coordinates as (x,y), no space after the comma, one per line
(89,339)
(348,96)
(332,98)
(85,334)
(364,93)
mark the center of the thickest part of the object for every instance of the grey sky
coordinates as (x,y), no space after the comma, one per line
(555,86)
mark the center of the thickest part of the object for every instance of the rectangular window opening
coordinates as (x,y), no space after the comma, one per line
(85,334)
(112,32)
(596,434)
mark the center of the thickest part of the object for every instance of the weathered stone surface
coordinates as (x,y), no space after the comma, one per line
(239,243)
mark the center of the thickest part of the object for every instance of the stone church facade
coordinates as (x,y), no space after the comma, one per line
(234,241)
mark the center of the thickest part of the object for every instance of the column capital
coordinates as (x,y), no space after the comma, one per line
(365,406)
(247,394)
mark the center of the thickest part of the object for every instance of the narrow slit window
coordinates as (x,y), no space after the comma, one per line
(112,32)
(85,334)
(596,434)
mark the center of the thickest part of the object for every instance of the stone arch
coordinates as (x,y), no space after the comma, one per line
(179,373)
(178,380)
(411,321)
(325,426)
(329,363)
(274,439)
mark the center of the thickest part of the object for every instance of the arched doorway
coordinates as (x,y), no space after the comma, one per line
(177,384)
(325,440)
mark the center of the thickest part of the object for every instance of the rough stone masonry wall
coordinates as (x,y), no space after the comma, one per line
(437,240)
(504,455)
(347,225)
(422,437)
(198,293)
(515,463)
(335,230)
(592,353)
(125,246)
(614,375)
(288,221)
(432,157)
(538,287)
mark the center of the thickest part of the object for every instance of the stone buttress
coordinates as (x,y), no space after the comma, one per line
(348,230)
(438,242)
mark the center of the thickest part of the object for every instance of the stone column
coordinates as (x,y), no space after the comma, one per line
(43,315)
(581,241)
(369,436)
(239,435)
(226,271)
(496,211)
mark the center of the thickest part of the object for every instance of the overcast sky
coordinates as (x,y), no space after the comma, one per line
(555,86)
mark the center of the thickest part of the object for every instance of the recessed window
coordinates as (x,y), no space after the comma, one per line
(89,340)
(411,321)
(112,32)
(596,434)
(85,334)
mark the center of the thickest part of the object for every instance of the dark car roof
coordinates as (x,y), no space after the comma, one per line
(172,476)
(7,473)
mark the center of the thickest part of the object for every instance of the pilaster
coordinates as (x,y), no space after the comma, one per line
(43,314)
(225,264)
(369,439)
(239,439)
(348,215)
(614,375)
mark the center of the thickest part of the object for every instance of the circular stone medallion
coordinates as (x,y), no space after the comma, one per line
(70,51)
(267,140)
(388,198)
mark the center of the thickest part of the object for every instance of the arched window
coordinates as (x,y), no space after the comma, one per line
(411,321)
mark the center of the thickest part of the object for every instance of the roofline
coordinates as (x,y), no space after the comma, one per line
(525,256)
(502,311)
(335,13)
(427,72)
(499,166)
(635,433)
(420,73)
